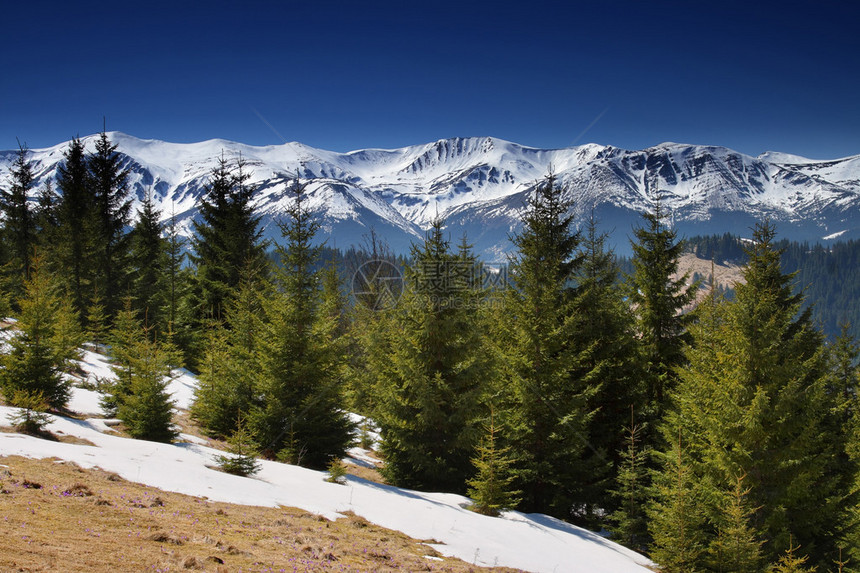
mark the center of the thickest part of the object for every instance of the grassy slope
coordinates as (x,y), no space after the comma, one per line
(59,517)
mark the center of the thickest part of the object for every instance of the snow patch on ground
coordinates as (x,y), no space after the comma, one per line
(532,542)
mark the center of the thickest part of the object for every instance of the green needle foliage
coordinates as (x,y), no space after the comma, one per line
(299,418)
(242,460)
(544,371)
(430,389)
(42,346)
(630,522)
(491,487)
(755,402)
(658,300)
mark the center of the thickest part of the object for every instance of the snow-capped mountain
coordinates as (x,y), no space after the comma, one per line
(480,185)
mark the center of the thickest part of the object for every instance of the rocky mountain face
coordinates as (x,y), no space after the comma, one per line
(480,186)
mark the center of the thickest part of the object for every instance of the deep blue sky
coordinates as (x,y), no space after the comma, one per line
(354,74)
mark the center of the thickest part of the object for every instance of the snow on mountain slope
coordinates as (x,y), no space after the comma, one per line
(480,185)
(531,542)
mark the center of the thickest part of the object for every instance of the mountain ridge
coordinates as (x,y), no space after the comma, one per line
(480,186)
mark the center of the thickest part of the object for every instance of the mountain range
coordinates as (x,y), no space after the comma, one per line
(480,186)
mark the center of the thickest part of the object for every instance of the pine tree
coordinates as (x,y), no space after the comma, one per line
(38,354)
(547,402)
(300,417)
(19,225)
(111,212)
(491,487)
(74,241)
(659,300)
(429,395)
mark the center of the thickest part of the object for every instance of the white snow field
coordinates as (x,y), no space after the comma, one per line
(530,542)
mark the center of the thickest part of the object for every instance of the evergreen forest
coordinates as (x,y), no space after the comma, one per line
(718,436)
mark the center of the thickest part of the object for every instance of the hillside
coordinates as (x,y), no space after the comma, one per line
(524,541)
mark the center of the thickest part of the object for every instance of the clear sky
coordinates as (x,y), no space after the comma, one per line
(345,75)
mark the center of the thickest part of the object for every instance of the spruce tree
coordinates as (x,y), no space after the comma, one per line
(677,521)
(228,238)
(604,335)
(125,339)
(146,408)
(229,378)
(171,280)
(300,417)
(659,300)
(40,350)
(148,250)
(789,562)
(111,212)
(491,487)
(737,547)
(429,395)
(629,520)
(547,400)
(75,231)
(47,218)
(242,458)
(754,402)
(19,225)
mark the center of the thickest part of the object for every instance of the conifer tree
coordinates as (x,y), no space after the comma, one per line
(227,238)
(547,407)
(242,460)
(429,401)
(46,218)
(737,547)
(75,225)
(111,212)
(754,402)
(677,522)
(300,418)
(604,335)
(171,284)
(229,376)
(19,225)
(630,523)
(377,282)
(147,260)
(146,408)
(97,320)
(791,563)
(491,487)
(659,300)
(40,349)
(125,340)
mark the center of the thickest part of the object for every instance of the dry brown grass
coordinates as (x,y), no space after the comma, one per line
(55,516)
